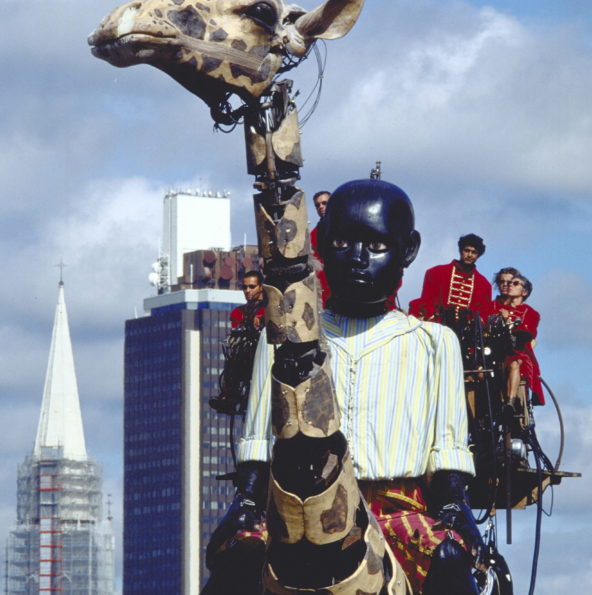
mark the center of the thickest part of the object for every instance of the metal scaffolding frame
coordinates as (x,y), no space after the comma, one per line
(60,542)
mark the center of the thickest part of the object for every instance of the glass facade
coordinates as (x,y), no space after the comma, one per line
(216,457)
(162,373)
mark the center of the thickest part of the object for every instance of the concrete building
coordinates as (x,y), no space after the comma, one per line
(191,220)
(60,542)
(175,443)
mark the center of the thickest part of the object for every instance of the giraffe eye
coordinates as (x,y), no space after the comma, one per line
(263,14)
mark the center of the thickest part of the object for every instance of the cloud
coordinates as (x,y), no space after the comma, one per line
(473,99)
(571,328)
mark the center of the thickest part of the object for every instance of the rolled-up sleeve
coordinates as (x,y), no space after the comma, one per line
(450,447)
(256,442)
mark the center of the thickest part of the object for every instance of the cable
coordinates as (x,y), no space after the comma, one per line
(231,432)
(537,538)
(561,427)
(318,86)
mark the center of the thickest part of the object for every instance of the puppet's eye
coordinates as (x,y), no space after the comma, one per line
(263,14)
(340,243)
(377,247)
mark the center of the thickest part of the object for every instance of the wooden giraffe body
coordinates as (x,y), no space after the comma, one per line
(316,516)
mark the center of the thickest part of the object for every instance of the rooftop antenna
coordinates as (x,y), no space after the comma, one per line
(376,171)
(61,266)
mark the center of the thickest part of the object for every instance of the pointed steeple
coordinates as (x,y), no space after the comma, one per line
(60,422)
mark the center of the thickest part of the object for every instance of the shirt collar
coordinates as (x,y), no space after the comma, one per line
(376,330)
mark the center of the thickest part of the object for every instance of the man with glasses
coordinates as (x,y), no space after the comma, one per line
(253,311)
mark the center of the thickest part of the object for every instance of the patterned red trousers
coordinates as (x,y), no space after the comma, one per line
(401,512)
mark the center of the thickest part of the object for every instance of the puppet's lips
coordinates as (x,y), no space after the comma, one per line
(360,278)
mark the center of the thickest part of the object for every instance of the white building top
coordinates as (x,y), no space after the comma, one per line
(194,297)
(193,220)
(60,422)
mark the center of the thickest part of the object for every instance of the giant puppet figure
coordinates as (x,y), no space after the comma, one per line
(399,387)
(323,537)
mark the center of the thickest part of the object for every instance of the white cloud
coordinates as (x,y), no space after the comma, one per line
(572,326)
(491,100)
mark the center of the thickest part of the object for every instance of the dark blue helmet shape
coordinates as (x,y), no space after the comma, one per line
(366,241)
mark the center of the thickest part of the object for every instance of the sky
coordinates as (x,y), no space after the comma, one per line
(480,111)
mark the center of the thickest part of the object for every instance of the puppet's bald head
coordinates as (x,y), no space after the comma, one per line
(367,239)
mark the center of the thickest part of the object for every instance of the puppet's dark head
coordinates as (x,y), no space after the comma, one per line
(367,240)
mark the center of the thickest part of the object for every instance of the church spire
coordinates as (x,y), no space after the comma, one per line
(60,422)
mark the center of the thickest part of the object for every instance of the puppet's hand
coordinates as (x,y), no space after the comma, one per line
(459,517)
(453,512)
(246,511)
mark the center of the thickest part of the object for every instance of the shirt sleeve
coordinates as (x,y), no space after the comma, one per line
(450,447)
(256,442)
(531,321)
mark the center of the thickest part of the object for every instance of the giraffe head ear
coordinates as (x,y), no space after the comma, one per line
(330,20)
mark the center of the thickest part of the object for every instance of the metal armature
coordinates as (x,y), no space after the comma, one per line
(376,171)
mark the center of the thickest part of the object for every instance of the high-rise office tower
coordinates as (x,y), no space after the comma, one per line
(175,443)
(60,541)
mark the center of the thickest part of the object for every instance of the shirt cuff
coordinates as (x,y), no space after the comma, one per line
(451,459)
(251,449)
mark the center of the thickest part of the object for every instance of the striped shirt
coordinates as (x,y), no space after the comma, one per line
(399,385)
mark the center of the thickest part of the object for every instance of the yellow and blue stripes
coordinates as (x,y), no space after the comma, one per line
(399,385)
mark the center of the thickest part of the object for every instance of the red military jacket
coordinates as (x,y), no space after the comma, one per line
(241,315)
(446,285)
(314,241)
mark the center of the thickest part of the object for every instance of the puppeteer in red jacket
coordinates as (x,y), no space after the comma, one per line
(320,200)
(252,313)
(457,285)
(523,321)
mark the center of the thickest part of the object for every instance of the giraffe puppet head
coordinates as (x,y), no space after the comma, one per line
(213,47)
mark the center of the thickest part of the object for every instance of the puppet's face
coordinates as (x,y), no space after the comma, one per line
(368,241)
